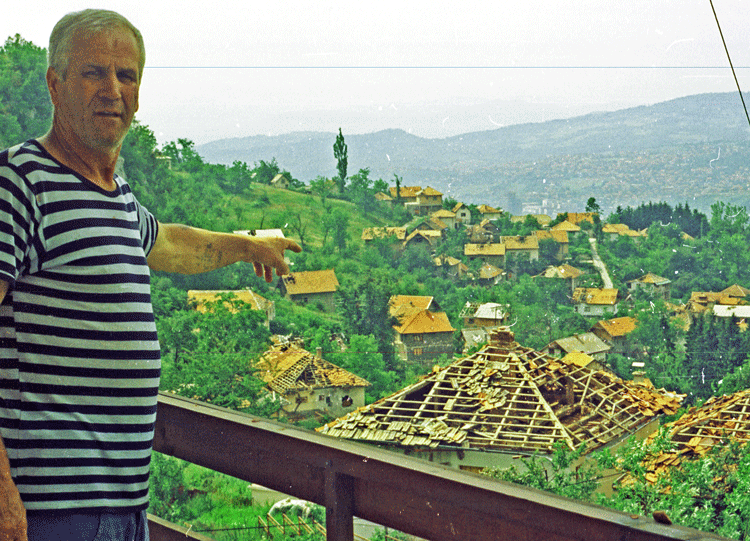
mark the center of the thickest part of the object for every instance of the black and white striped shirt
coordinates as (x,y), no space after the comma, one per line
(79,356)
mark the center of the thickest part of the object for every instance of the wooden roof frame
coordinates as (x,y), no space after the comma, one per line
(507,398)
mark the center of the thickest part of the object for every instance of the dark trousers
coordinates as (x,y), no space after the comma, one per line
(96,527)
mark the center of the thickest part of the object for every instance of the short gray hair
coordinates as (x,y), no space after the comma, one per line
(91,21)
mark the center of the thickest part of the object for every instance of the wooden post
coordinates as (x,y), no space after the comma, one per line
(339,498)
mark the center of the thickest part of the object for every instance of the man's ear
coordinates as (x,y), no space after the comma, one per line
(53,80)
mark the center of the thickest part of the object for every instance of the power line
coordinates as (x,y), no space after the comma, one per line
(730,62)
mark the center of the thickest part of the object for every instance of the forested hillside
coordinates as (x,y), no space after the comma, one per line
(209,355)
(689,149)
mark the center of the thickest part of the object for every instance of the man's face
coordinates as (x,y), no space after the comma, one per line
(96,101)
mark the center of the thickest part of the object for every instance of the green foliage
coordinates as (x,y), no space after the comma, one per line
(706,493)
(363,307)
(25,107)
(208,356)
(340,152)
(364,359)
(562,472)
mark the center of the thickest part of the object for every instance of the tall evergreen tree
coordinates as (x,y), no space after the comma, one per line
(340,152)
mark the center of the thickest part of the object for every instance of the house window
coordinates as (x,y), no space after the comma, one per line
(417,351)
(321,398)
(419,338)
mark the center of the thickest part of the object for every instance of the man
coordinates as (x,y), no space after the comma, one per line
(79,356)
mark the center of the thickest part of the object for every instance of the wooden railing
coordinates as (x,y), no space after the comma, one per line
(350,479)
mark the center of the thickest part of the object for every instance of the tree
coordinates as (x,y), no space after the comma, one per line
(364,359)
(363,305)
(264,172)
(340,151)
(25,107)
(592,205)
(398,180)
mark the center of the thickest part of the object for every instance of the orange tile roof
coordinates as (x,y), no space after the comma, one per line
(306,282)
(578,217)
(486,209)
(529,242)
(563,271)
(619,326)
(651,278)
(558,235)
(488,272)
(566,226)
(591,295)
(736,291)
(430,191)
(425,322)
(405,191)
(419,302)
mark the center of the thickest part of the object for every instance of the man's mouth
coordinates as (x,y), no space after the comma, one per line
(108,114)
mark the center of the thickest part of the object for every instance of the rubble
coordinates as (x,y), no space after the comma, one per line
(508,397)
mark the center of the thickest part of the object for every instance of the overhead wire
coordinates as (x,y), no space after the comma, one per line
(734,73)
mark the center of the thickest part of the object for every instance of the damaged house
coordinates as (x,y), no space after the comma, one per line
(719,421)
(307,384)
(503,401)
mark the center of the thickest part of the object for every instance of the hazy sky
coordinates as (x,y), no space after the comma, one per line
(238,68)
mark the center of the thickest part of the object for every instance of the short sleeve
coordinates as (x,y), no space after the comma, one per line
(18,221)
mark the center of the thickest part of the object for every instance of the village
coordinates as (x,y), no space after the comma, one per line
(497,400)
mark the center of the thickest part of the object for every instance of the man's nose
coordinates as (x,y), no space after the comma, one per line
(110,87)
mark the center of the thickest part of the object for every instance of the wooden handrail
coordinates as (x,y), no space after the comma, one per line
(408,494)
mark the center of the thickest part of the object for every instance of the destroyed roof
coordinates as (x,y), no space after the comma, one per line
(717,422)
(301,283)
(507,397)
(202,297)
(287,369)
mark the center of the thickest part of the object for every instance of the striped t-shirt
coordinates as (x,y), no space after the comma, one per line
(79,357)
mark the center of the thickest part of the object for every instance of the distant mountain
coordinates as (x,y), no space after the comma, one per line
(524,165)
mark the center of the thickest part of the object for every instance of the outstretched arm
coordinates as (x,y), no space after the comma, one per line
(189,250)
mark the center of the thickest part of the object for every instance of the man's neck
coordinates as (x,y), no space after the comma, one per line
(98,166)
